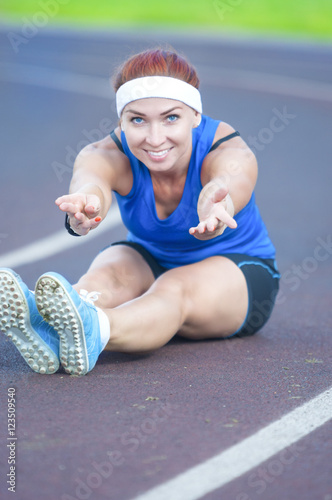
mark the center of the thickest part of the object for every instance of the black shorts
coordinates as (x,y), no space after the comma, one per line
(262,277)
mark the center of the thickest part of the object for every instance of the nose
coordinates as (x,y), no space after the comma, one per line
(156,135)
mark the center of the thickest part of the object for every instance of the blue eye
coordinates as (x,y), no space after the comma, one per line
(137,120)
(172,118)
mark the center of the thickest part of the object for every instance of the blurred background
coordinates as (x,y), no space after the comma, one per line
(272,17)
(260,63)
(265,67)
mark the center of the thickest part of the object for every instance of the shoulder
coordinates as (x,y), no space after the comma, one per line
(105,148)
(227,155)
(105,154)
(223,130)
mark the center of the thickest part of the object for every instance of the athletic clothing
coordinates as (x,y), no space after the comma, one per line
(168,240)
(262,280)
(165,244)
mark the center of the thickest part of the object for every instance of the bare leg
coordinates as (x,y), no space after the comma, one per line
(208,299)
(204,300)
(119,274)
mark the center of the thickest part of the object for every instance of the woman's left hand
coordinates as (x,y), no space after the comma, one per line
(215,210)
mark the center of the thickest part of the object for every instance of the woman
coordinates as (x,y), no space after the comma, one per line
(197,262)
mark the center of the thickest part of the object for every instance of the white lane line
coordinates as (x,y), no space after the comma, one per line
(101,87)
(56,243)
(249,453)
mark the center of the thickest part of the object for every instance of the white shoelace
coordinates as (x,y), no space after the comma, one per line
(89,297)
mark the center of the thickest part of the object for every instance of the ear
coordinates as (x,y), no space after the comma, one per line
(197,119)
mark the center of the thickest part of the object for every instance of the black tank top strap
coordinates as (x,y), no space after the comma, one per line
(224,139)
(117,141)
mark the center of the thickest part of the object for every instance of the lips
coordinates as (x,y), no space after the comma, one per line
(158,154)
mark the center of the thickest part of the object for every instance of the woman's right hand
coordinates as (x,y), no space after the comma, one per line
(83,211)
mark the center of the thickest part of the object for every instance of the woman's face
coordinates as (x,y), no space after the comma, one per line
(159,132)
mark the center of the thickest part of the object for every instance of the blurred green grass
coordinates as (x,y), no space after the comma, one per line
(311,19)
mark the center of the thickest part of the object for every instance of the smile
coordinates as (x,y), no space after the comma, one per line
(158,154)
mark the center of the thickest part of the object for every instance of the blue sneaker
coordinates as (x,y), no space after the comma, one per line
(74,318)
(36,341)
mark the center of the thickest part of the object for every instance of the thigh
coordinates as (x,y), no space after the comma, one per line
(119,273)
(237,299)
(262,277)
(215,297)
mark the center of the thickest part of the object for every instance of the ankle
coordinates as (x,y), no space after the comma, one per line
(104,327)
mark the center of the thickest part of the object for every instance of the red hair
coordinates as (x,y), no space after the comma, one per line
(157,62)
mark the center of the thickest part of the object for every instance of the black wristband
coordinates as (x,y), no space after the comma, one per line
(69,229)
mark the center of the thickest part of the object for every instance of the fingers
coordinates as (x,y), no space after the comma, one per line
(83,211)
(85,222)
(200,229)
(92,207)
(61,199)
(214,225)
(203,227)
(80,202)
(89,205)
(82,224)
(70,204)
(229,221)
(211,224)
(70,208)
(223,216)
(208,226)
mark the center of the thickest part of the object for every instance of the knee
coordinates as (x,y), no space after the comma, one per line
(173,288)
(92,281)
(106,283)
(170,285)
(108,277)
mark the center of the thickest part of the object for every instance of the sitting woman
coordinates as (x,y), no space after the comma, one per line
(197,262)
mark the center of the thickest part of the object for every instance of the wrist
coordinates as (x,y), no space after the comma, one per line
(69,228)
(229,205)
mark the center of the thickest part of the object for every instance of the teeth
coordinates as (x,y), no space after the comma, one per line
(158,153)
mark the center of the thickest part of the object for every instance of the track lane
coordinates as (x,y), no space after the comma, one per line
(202,387)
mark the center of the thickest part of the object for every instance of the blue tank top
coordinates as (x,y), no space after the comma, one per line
(168,240)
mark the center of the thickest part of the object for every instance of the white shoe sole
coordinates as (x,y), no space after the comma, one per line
(56,306)
(15,323)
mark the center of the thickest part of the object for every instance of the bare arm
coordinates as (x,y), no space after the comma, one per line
(229,175)
(90,197)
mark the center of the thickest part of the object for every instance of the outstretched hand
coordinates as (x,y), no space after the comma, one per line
(82,209)
(214,208)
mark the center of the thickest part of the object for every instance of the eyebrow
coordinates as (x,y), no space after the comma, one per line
(143,114)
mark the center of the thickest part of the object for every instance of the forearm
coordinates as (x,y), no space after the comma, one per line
(92,175)
(235,170)
(90,191)
(228,184)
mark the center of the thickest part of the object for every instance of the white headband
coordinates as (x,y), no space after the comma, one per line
(158,86)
